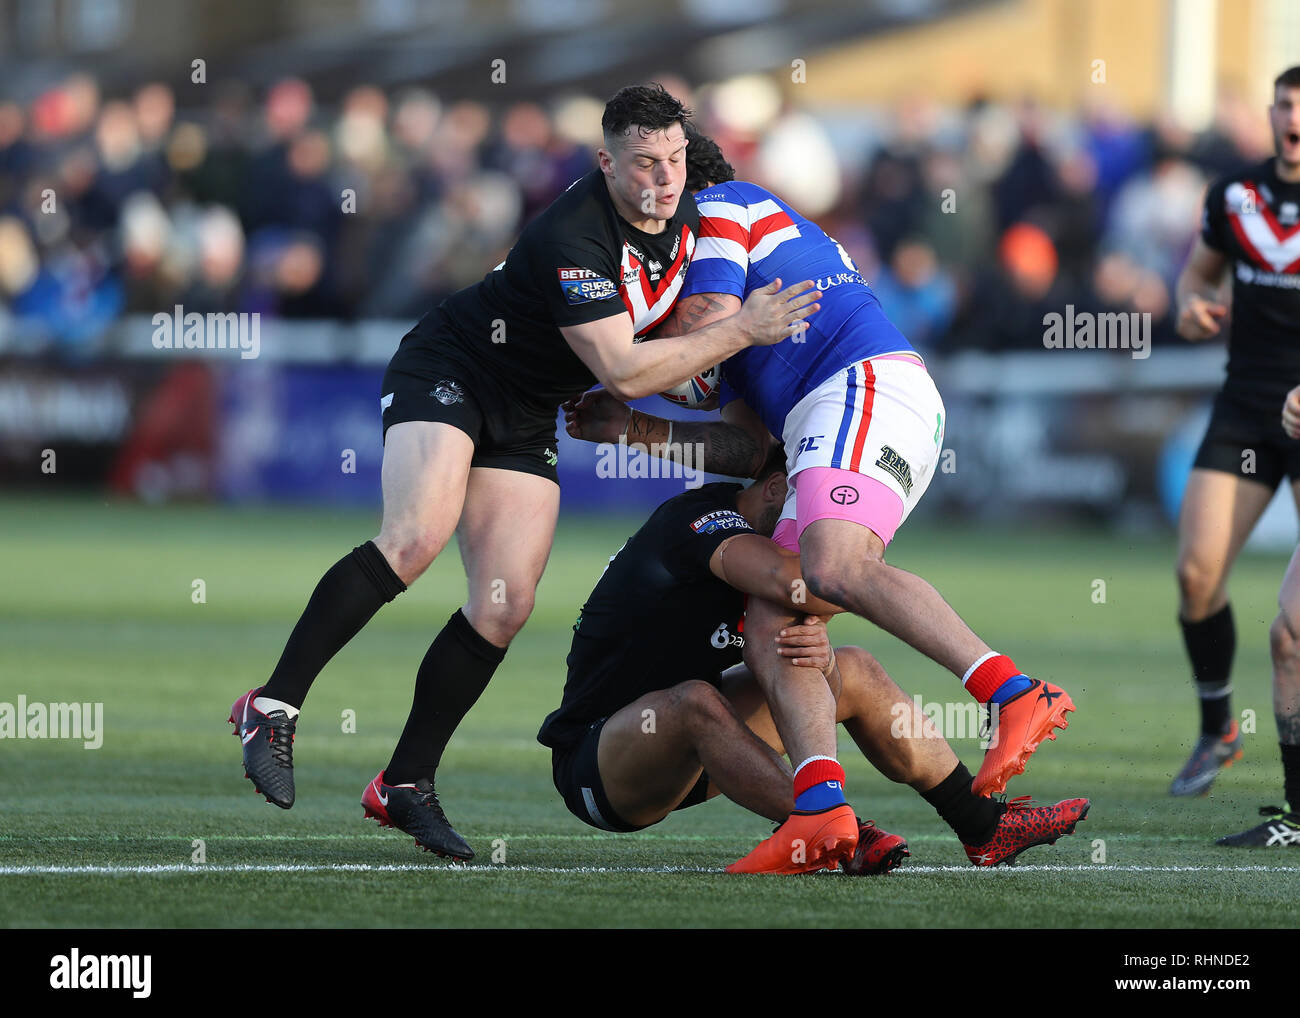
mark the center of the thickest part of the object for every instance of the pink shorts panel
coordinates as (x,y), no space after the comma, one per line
(909,358)
(786,535)
(825,493)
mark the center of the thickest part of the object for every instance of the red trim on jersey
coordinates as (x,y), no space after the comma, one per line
(647,294)
(1274,227)
(728,229)
(1278,231)
(868,399)
(768,224)
(1235,222)
(676,266)
(652,294)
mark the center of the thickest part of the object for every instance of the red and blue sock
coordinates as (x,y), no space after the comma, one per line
(994,678)
(818,784)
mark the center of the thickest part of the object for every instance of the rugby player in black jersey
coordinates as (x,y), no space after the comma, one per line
(659,714)
(1251,228)
(469,404)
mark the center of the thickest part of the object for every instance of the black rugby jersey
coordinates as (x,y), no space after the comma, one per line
(1253,218)
(658,616)
(577,262)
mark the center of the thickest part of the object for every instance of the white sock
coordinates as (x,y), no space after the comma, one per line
(810,760)
(265,704)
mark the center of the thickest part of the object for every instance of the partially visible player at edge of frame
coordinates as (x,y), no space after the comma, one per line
(1281,825)
(1251,225)
(659,714)
(862,425)
(469,404)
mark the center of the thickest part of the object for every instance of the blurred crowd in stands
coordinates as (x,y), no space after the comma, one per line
(970,223)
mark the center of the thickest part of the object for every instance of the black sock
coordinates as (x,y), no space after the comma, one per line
(356,586)
(1291,776)
(1211,644)
(972,817)
(455,671)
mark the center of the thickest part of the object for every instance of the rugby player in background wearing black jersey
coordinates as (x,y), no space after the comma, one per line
(1251,226)
(469,404)
(659,714)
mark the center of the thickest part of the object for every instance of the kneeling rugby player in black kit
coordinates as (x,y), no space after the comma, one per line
(659,713)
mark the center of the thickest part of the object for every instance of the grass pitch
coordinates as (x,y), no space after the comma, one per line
(99,605)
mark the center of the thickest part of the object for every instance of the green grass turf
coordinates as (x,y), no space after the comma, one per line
(96,606)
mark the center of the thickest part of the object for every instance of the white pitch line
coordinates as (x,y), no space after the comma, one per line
(375,834)
(168,868)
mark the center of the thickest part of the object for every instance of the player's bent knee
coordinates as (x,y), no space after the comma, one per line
(858,665)
(499,618)
(1196,582)
(1282,639)
(408,554)
(828,583)
(699,703)
(863,679)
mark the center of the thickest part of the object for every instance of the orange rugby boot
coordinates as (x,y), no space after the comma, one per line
(805,843)
(1021,724)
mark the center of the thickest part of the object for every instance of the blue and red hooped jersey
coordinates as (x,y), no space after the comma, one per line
(747,238)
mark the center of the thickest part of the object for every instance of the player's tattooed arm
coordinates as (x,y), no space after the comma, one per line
(727,449)
(723,448)
(736,446)
(692,313)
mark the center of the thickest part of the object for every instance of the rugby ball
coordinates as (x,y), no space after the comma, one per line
(696,391)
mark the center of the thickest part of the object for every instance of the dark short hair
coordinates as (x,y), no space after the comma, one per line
(649,108)
(775,463)
(704,162)
(1290,78)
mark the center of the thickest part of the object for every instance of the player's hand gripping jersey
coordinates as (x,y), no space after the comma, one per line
(849,396)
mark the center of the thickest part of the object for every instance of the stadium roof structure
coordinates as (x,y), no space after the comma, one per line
(554,46)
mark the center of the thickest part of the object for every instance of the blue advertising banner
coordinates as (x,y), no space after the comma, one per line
(313,433)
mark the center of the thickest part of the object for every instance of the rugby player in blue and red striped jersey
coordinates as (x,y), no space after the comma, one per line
(862,425)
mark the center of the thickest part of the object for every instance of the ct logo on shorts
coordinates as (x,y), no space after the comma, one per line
(448,392)
(844,494)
